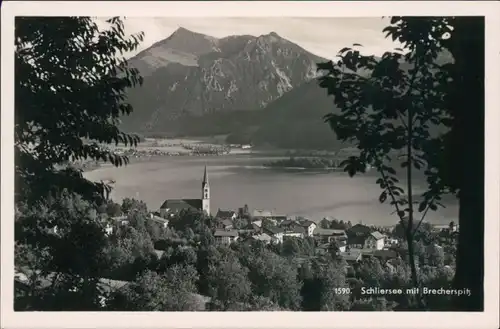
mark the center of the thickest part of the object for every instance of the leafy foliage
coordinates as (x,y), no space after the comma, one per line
(63,240)
(69,94)
(172,291)
(387,108)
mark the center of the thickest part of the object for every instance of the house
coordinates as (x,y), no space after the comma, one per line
(310,226)
(329,235)
(356,236)
(120,220)
(250,228)
(329,248)
(275,232)
(295,231)
(287,224)
(352,256)
(225,236)
(358,230)
(159,253)
(342,245)
(382,255)
(450,228)
(257,223)
(172,207)
(263,237)
(159,220)
(226,214)
(226,224)
(279,218)
(108,229)
(388,242)
(374,241)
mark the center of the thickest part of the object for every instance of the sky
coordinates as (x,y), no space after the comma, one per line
(321,36)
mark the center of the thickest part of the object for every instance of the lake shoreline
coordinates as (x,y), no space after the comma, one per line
(236,180)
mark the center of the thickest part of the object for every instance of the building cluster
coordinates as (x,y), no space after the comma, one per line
(352,243)
(272,229)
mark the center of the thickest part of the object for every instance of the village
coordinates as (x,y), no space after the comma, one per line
(331,236)
(353,243)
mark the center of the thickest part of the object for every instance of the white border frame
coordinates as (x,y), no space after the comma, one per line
(487,319)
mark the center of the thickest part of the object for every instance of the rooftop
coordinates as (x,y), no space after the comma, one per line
(262,237)
(306,223)
(327,232)
(226,222)
(351,255)
(226,233)
(297,229)
(175,205)
(273,229)
(225,214)
(377,235)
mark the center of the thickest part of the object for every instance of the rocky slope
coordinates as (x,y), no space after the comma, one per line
(191,74)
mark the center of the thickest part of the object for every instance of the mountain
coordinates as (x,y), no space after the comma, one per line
(294,121)
(189,75)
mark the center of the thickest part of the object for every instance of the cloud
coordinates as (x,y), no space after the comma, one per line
(321,36)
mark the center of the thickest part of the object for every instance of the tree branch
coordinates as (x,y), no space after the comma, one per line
(423,215)
(391,194)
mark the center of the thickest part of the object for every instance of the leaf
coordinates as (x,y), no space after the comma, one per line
(343,50)
(422,206)
(382,197)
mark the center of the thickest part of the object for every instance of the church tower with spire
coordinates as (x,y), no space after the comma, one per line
(205,189)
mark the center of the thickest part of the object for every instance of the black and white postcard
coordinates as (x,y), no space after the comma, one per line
(250,164)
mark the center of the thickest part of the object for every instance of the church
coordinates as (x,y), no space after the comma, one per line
(173,206)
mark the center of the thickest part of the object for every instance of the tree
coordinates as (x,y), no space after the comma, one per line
(113,209)
(172,291)
(70,85)
(272,276)
(320,290)
(393,109)
(464,168)
(61,241)
(129,253)
(435,255)
(184,255)
(228,283)
(332,276)
(324,223)
(130,204)
(371,273)
(291,247)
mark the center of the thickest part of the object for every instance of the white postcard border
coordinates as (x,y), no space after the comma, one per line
(487,319)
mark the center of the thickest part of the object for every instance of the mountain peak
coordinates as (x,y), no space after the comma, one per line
(271,37)
(183,30)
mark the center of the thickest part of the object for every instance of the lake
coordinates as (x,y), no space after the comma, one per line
(236,180)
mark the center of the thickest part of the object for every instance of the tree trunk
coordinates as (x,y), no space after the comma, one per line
(467,158)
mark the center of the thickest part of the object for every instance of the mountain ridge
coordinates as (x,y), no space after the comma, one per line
(189,73)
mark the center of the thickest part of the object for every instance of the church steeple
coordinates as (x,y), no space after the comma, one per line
(205,177)
(205,190)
